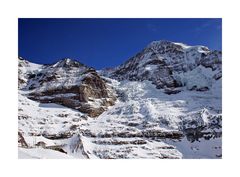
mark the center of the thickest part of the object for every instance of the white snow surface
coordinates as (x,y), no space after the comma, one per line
(199,77)
(40,153)
(140,104)
(37,118)
(203,149)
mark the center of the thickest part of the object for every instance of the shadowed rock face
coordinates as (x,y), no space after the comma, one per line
(71,84)
(21,140)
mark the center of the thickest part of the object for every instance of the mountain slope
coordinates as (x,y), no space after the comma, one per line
(144,123)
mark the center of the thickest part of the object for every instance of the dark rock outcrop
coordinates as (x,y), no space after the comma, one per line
(21,141)
(152,134)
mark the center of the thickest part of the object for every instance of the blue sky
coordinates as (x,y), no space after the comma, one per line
(104,43)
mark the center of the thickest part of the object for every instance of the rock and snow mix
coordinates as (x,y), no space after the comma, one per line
(163,103)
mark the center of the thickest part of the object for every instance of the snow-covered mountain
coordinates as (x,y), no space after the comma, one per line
(165,102)
(68,83)
(170,66)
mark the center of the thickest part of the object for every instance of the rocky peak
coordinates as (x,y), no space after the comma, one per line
(164,44)
(67,62)
(69,83)
(162,61)
(22,62)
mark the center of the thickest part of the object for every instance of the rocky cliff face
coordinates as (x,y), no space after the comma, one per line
(168,65)
(68,83)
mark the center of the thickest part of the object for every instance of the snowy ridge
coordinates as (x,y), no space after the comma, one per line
(58,75)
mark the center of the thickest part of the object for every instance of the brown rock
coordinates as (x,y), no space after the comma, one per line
(81,94)
(21,140)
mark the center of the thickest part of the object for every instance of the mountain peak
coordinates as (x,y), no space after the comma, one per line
(67,62)
(159,42)
(180,46)
(166,63)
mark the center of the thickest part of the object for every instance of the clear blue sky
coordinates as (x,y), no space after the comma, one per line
(104,43)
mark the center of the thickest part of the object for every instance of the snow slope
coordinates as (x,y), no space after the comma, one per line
(36,118)
(39,153)
(145,108)
(117,132)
